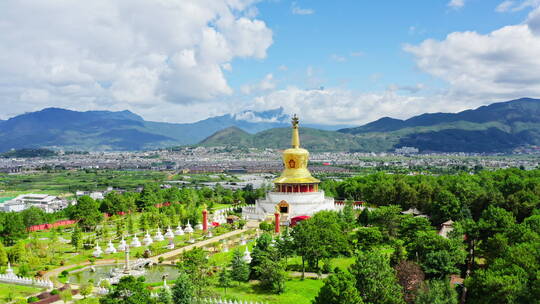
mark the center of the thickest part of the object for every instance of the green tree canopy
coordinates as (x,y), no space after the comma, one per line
(338,288)
(320,237)
(375,279)
(239,267)
(183,291)
(129,290)
(437,292)
(86,211)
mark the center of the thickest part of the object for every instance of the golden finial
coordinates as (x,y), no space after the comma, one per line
(295,141)
(295,121)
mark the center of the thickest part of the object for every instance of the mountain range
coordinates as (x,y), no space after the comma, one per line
(56,128)
(499,127)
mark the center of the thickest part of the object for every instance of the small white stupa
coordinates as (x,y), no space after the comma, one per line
(179,230)
(9,271)
(169,233)
(97,252)
(147,239)
(209,235)
(122,246)
(188,228)
(171,244)
(247,256)
(135,242)
(242,241)
(220,218)
(110,248)
(159,236)
(198,227)
(165,286)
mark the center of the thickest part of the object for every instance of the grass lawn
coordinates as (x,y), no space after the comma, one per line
(16,291)
(296,292)
(3,199)
(342,262)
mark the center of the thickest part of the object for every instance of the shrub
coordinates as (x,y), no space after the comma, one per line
(266,226)
(32,299)
(54,292)
(327,266)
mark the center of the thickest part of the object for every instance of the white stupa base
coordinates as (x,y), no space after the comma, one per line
(305,203)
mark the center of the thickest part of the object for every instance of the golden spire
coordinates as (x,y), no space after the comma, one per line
(295,141)
(295,161)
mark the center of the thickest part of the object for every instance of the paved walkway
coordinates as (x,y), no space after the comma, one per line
(55,272)
(296,274)
(178,251)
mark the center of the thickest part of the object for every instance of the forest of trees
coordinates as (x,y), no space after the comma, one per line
(398,258)
(89,212)
(495,246)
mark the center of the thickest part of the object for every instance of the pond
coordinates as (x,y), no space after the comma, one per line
(153,274)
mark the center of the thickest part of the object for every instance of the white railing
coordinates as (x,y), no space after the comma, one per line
(222,301)
(14,279)
(101,291)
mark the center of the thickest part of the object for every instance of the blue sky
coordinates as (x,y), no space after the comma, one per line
(332,62)
(359,44)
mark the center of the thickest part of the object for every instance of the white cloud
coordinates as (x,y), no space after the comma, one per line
(407,88)
(296,10)
(479,68)
(504,6)
(456,3)
(533,21)
(341,106)
(515,6)
(119,54)
(267,83)
(227,66)
(338,58)
(499,65)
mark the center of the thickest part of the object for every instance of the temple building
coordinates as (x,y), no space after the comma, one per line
(296,193)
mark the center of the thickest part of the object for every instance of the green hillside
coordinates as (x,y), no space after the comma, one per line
(280,138)
(499,127)
(231,136)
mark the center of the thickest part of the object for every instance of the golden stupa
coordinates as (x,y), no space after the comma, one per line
(295,160)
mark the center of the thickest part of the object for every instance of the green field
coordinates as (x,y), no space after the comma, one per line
(3,199)
(63,182)
(56,182)
(296,292)
(9,292)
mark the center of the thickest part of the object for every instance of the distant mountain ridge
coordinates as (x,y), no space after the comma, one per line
(498,127)
(280,138)
(519,110)
(57,128)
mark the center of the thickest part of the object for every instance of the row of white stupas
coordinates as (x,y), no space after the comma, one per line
(220,216)
(147,240)
(12,278)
